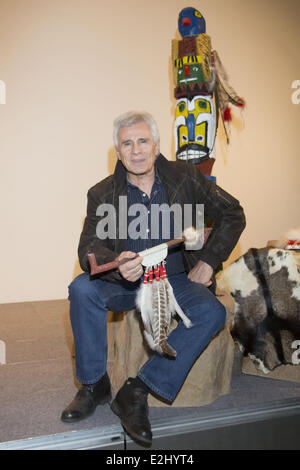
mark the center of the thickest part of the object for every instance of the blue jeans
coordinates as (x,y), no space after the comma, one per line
(90,301)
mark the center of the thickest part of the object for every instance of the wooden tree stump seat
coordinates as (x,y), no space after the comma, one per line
(209,377)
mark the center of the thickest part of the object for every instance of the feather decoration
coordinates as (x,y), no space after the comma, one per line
(157,304)
(144,299)
(161,318)
(224,93)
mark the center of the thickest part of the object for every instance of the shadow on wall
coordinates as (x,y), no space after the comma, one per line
(235,254)
(111,163)
(238,124)
(2,353)
(112,160)
(77,269)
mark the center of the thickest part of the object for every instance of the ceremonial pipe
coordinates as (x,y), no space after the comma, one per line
(97,269)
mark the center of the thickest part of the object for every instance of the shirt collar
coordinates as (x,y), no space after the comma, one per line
(157,179)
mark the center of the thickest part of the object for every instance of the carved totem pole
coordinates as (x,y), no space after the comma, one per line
(201,90)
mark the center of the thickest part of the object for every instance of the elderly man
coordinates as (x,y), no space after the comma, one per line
(144,176)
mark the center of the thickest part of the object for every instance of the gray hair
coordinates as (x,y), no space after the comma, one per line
(133,117)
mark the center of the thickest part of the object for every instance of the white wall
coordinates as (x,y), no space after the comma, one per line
(71,66)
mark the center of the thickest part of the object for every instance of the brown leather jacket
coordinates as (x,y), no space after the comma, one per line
(184,184)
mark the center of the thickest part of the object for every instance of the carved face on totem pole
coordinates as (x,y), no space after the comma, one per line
(194,129)
(191,22)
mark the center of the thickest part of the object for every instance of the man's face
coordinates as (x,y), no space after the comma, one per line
(137,150)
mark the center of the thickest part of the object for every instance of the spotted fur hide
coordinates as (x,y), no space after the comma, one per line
(266,304)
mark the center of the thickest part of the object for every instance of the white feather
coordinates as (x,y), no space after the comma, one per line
(144,304)
(151,343)
(157,316)
(175,308)
(193,239)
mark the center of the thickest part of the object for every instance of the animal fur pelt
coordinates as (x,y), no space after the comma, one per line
(265,286)
(157,304)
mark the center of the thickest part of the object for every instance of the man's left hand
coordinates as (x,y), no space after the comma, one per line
(201,273)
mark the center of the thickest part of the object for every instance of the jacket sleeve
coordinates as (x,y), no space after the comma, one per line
(228,221)
(90,243)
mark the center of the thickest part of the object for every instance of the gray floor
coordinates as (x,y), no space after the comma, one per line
(37,379)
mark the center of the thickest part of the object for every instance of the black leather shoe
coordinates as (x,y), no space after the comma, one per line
(131,405)
(87,399)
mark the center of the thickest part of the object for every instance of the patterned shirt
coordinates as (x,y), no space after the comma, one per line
(151,227)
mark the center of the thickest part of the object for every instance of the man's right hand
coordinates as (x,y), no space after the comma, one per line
(130,265)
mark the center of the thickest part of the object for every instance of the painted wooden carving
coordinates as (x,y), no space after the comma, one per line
(201,90)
